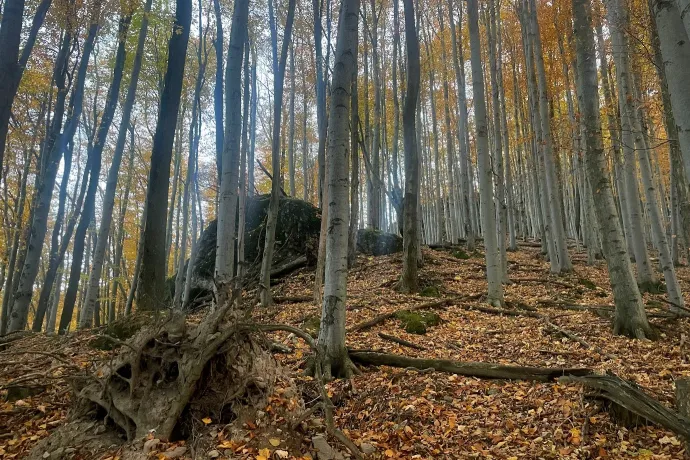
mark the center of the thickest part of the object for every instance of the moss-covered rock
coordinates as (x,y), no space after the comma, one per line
(430,291)
(460,254)
(414,322)
(297,235)
(377,243)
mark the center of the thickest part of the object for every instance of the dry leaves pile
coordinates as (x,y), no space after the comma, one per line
(405,413)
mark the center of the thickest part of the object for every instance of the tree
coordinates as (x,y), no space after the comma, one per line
(630,318)
(617,15)
(278,84)
(227,202)
(152,293)
(331,340)
(114,171)
(493,263)
(12,65)
(409,282)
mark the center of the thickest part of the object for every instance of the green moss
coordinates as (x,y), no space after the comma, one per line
(430,291)
(416,322)
(415,327)
(587,283)
(460,254)
(312,324)
(121,330)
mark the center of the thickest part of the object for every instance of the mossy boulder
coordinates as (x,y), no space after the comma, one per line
(414,322)
(297,235)
(377,243)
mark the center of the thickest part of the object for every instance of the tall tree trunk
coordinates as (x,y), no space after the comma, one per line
(90,199)
(409,282)
(354,174)
(272,218)
(114,171)
(499,176)
(675,49)
(555,200)
(291,113)
(218,90)
(493,267)
(630,318)
(152,291)
(227,207)
(54,147)
(331,340)
(618,23)
(12,64)
(194,128)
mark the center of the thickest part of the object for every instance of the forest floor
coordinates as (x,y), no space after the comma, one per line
(407,413)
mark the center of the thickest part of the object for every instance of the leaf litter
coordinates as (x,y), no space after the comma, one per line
(408,413)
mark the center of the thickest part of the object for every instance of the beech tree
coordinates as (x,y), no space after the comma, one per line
(151,293)
(331,340)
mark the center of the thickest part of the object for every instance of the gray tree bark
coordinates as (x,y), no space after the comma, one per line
(492,256)
(630,317)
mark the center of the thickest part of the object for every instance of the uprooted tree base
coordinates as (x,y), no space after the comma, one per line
(170,373)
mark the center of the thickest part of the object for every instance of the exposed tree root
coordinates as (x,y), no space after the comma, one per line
(400,341)
(167,369)
(629,397)
(482,370)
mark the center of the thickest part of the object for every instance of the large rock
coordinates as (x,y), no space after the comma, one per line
(297,236)
(378,243)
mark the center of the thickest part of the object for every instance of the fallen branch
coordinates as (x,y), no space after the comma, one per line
(292,299)
(381,318)
(289,267)
(402,342)
(470,369)
(631,397)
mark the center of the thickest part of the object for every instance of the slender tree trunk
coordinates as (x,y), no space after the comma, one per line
(152,292)
(466,187)
(555,201)
(54,147)
(114,170)
(354,174)
(94,177)
(291,113)
(617,14)
(218,90)
(331,340)
(675,49)
(272,219)
(499,176)
(493,268)
(227,208)
(12,64)
(409,282)
(630,318)
(194,128)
